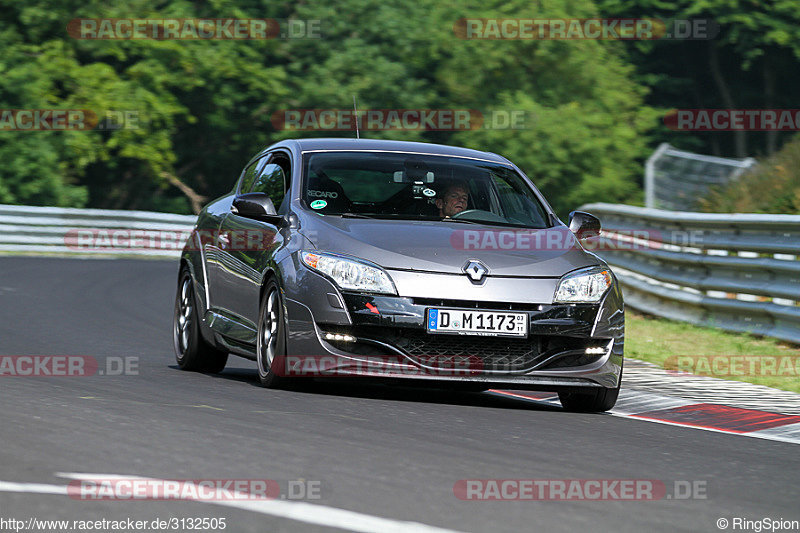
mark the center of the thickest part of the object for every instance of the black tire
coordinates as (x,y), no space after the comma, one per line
(271,342)
(596,401)
(192,352)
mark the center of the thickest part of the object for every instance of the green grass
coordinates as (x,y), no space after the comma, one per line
(656,339)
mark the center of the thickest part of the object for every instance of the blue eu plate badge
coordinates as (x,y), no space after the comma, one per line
(433,318)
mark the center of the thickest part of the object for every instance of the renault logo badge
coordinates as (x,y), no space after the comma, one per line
(475,270)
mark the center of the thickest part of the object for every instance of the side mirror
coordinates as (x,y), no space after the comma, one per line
(258,206)
(584,225)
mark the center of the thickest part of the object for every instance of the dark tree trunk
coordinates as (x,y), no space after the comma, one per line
(739,136)
(769,102)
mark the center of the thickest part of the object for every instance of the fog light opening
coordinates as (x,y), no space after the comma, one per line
(596,350)
(339,337)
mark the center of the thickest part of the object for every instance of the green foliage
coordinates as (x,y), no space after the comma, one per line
(204,107)
(772,187)
(752,63)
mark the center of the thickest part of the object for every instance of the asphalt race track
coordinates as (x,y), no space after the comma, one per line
(380,457)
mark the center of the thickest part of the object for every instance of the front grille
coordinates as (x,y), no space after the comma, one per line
(468,304)
(493,353)
(487,354)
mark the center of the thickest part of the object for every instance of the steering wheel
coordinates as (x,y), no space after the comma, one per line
(479,215)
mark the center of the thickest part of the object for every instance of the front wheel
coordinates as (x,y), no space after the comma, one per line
(596,401)
(271,342)
(192,352)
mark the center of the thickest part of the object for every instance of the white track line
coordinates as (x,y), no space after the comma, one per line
(752,434)
(790,432)
(32,488)
(320,515)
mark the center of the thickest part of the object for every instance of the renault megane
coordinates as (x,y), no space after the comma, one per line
(389,259)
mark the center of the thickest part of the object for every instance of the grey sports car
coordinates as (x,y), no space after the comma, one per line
(399,260)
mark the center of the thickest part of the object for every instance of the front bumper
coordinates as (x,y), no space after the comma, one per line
(385,336)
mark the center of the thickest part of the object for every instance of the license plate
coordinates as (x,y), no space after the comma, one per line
(477,322)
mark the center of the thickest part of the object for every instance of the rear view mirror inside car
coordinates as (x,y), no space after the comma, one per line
(402,176)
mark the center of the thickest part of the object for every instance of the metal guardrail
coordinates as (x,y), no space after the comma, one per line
(675,179)
(56,230)
(738,272)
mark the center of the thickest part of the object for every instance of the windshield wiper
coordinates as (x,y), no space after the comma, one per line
(401,216)
(352,215)
(491,223)
(466,221)
(380,216)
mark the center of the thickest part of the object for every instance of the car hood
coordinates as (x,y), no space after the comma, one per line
(446,247)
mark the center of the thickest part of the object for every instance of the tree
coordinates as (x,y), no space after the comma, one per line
(585,132)
(204,107)
(751,64)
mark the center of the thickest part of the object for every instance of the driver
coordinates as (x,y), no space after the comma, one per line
(453,201)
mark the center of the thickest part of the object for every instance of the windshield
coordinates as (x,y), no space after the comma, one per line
(412,186)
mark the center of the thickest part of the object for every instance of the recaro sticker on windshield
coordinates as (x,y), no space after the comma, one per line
(318,204)
(323,194)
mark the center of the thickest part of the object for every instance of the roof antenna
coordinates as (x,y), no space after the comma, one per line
(355,112)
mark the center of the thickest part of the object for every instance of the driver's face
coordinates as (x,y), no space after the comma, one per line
(453,202)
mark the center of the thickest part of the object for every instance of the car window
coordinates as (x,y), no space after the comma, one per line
(417,186)
(516,207)
(283,161)
(271,180)
(249,176)
(359,185)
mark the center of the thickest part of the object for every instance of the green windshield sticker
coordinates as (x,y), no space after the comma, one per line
(318,204)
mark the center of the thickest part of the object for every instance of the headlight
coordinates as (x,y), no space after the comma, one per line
(584,286)
(350,274)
